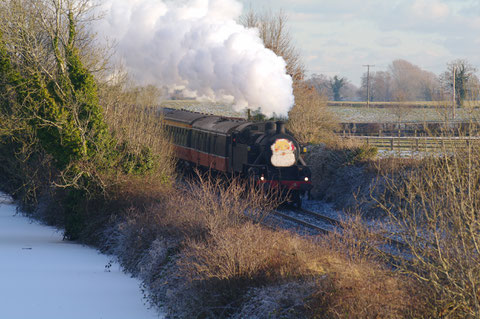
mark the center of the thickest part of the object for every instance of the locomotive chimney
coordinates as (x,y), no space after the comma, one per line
(270,127)
(280,127)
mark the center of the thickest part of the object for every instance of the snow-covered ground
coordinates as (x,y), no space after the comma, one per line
(383,115)
(344,114)
(44,277)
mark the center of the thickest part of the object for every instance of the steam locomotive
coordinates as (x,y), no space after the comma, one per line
(265,151)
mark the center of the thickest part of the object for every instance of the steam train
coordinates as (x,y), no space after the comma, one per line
(264,151)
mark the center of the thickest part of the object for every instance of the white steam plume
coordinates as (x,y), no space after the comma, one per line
(197,45)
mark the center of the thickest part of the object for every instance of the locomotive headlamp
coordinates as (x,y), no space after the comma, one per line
(306,179)
(262,178)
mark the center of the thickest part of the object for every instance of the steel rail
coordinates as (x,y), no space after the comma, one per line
(301,222)
(338,223)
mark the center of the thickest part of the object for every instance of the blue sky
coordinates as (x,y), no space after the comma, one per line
(339,36)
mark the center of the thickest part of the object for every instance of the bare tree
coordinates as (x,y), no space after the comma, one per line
(464,79)
(434,209)
(37,32)
(380,86)
(274,32)
(321,83)
(309,119)
(402,80)
(411,82)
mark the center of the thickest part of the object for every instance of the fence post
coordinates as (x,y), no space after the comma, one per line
(416,144)
(391,144)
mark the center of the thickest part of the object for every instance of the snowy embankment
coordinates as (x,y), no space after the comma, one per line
(42,276)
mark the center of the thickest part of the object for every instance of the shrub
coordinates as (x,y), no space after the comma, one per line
(222,268)
(247,252)
(141,140)
(433,208)
(360,291)
(361,154)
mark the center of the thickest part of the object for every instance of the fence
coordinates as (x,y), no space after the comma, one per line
(409,143)
(414,104)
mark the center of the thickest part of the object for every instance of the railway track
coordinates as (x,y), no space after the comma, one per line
(334,223)
(338,224)
(301,222)
(324,218)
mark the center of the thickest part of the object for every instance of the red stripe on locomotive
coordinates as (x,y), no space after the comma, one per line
(200,158)
(291,185)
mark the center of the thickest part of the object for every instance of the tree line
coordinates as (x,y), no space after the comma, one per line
(405,81)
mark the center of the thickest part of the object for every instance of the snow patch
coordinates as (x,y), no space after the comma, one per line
(43,276)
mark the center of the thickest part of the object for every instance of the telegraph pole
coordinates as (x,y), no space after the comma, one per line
(454,92)
(368,82)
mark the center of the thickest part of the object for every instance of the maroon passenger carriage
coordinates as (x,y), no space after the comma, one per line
(264,151)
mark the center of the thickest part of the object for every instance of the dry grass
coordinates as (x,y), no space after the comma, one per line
(247,252)
(254,256)
(233,253)
(220,254)
(207,205)
(360,291)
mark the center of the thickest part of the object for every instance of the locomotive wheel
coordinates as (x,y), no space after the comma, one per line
(298,202)
(297,199)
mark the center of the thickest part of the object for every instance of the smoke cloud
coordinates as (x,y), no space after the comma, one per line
(197,46)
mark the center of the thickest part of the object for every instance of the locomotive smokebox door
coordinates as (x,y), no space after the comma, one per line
(283,153)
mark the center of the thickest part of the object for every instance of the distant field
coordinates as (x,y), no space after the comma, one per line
(382,115)
(416,104)
(347,114)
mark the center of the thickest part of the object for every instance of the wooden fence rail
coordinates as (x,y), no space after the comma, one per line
(410,143)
